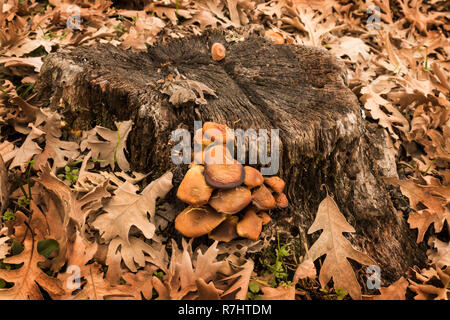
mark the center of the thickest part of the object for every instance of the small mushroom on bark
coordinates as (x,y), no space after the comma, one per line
(226,231)
(275,183)
(224,176)
(263,199)
(231,201)
(193,189)
(281,200)
(218,51)
(274,36)
(250,225)
(253,178)
(194,222)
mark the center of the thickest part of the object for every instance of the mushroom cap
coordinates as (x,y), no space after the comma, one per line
(194,222)
(218,133)
(213,132)
(200,139)
(193,189)
(231,201)
(263,199)
(275,183)
(224,176)
(265,217)
(250,226)
(281,200)
(218,51)
(274,36)
(226,231)
(213,154)
(253,178)
(217,154)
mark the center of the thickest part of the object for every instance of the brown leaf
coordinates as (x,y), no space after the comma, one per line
(282,292)
(76,205)
(306,269)
(112,150)
(60,151)
(127,208)
(441,256)
(395,291)
(27,277)
(242,282)
(28,149)
(207,291)
(337,249)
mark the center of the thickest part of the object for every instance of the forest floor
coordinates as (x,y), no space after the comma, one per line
(61,189)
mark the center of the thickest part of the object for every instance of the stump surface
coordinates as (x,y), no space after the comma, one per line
(260,85)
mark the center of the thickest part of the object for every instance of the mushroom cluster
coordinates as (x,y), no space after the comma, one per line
(226,199)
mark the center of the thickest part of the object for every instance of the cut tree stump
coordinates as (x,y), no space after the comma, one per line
(260,85)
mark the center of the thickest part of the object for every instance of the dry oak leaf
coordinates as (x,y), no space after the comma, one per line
(337,249)
(185,269)
(126,208)
(132,253)
(75,204)
(79,253)
(207,291)
(29,275)
(99,288)
(60,151)
(430,284)
(112,148)
(441,256)
(306,269)
(395,291)
(183,91)
(28,149)
(282,292)
(242,282)
(433,197)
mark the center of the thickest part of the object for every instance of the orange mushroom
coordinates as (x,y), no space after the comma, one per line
(193,189)
(226,231)
(263,199)
(253,178)
(250,226)
(194,222)
(218,51)
(265,217)
(224,176)
(274,36)
(281,200)
(231,201)
(275,183)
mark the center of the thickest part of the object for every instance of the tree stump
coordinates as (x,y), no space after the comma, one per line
(260,85)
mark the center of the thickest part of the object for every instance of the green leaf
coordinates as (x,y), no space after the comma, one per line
(341,293)
(254,287)
(2,283)
(47,247)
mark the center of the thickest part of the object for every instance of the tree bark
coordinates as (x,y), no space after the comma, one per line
(260,85)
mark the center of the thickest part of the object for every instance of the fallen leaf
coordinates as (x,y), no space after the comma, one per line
(337,249)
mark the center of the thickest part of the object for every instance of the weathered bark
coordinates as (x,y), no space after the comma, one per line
(299,90)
